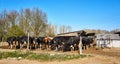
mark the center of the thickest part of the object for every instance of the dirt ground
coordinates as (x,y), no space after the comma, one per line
(103,56)
(89,60)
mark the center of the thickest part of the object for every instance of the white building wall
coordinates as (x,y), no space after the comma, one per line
(115,43)
(112,43)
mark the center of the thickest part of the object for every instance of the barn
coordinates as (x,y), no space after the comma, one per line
(74,33)
(108,40)
(117,33)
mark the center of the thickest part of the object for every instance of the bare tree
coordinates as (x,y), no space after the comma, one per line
(33,20)
(21,20)
(115,30)
(64,29)
(96,31)
(25,19)
(3,25)
(51,30)
(11,18)
(39,22)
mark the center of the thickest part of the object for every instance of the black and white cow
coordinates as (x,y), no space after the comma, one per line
(43,42)
(58,42)
(39,42)
(11,41)
(74,41)
(65,42)
(23,42)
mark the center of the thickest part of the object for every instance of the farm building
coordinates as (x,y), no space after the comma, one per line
(75,33)
(68,34)
(108,40)
(117,33)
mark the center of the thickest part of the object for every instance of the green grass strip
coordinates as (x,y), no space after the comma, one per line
(39,56)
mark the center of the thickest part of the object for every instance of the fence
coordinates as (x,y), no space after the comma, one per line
(3,43)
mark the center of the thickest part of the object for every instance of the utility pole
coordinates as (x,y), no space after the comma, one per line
(80,46)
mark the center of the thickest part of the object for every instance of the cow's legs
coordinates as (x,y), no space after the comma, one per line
(11,46)
(85,47)
(35,46)
(40,46)
(15,45)
(21,46)
(56,48)
(72,48)
(30,46)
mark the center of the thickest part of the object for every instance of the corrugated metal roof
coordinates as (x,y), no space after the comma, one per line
(108,36)
(71,32)
(75,33)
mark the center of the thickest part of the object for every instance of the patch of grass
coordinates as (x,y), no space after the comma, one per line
(40,56)
(1,55)
(36,56)
(14,54)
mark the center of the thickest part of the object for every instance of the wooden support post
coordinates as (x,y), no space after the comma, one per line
(80,46)
(28,42)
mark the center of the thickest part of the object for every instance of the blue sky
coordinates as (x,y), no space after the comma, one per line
(79,14)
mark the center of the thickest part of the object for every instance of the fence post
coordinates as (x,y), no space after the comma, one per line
(28,42)
(80,46)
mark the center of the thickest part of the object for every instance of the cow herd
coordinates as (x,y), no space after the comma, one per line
(58,43)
